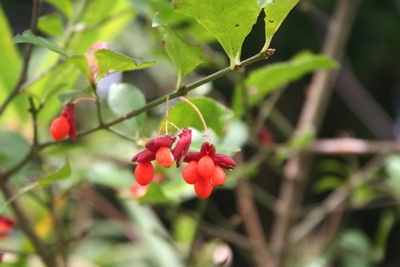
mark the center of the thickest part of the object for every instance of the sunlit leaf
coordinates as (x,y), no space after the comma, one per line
(215,114)
(186,57)
(124,98)
(275,13)
(51,24)
(230,21)
(266,80)
(64,6)
(62,173)
(109,60)
(28,37)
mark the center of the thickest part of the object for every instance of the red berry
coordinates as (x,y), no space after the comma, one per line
(190,173)
(205,167)
(59,128)
(144,172)
(203,188)
(164,157)
(219,177)
(137,191)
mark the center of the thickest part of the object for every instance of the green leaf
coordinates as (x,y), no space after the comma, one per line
(186,57)
(109,60)
(275,13)
(28,37)
(230,21)
(161,252)
(82,64)
(123,98)
(392,168)
(215,114)
(264,81)
(3,206)
(263,3)
(13,148)
(70,95)
(64,6)
(51,24)
(326,183)
(107,174)
(184,229)
(155,194)
(62,173)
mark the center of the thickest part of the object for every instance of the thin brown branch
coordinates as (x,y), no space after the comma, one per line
(27,56)
(27,226)
(173,95)
(353,146)
(297,168)
(33,111)
(58,228)
(248,211)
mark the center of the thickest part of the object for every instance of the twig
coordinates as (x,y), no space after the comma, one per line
(33,111)
(98,105)
(297,168)
(352,146)
(58,229)
(27,57)
(170,96)
(266,108)
(248,211)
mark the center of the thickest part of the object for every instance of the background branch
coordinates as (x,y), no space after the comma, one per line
(27,56)
(297,168)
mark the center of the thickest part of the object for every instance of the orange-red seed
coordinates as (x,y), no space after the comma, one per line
(144,172)
(190,173)
(205,166)
(219,177)
(164,157)
(203,188)
(59,128)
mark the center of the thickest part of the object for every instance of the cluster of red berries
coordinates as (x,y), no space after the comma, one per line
(204,170)
(65,124)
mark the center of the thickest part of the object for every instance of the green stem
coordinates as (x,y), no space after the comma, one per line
(98,105)
(176,94)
